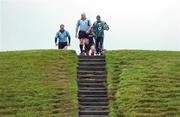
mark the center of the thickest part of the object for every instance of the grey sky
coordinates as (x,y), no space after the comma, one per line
(134,24)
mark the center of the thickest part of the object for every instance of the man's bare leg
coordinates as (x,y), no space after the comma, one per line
(82,46)
(93,50)
(87,48)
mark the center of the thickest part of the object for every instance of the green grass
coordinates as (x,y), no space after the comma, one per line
(38,83)
(42,83)
(144,83)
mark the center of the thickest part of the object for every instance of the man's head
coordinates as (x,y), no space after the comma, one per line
(98,17)
(83,16)
(62,27)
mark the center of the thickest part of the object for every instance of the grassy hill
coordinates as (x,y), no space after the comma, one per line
(42,83)
(144,83)
(38,84)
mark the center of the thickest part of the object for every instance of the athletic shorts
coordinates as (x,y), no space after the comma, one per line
(61,45)
(82,34)
(91,41)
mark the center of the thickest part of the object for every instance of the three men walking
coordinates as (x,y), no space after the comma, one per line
(86,35)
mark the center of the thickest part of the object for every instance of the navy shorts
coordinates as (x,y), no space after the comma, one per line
(61,45)
(82,35)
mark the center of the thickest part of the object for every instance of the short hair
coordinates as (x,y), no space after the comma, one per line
(83,13)
(62,25)
(98,17)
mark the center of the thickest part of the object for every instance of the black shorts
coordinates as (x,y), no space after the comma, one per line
(61,45)
(82,35)
(91,41)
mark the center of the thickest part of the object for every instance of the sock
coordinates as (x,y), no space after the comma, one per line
(81,48)
(87,48)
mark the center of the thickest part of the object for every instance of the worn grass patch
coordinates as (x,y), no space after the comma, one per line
(38,83)
(144,83)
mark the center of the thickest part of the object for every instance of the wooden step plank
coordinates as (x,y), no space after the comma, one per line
(89,96)
(93,103)
(93,112)
(94,107)
(91,72)
(91,76)
(91,57)
(91,64)
(93,99)
(95,92)
(91,68)
(93,116)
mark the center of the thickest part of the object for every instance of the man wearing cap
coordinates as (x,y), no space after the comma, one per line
(98,28)
(61,38)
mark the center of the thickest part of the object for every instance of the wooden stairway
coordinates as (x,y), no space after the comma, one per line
(92,92)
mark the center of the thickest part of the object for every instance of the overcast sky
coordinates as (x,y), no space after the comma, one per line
(134,24)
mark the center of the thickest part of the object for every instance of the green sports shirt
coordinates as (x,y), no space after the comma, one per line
(99,27)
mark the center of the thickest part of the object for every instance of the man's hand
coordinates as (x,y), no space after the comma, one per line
(76,36)
(87,32)
(94,35)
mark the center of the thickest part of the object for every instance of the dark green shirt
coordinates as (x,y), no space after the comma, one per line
(99,27)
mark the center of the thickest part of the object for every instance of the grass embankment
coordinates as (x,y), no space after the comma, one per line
(144,83)
(38,84)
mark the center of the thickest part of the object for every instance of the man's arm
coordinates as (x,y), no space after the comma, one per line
(69,38)
(77,27)
(55,40)
(89,28)
(56,37)
(94,29)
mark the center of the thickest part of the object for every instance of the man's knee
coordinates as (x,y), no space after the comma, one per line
(81,41)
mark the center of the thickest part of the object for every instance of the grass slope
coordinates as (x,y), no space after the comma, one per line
(144,83)
(38,84)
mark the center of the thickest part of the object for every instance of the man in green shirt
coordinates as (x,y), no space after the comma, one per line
(98,28)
